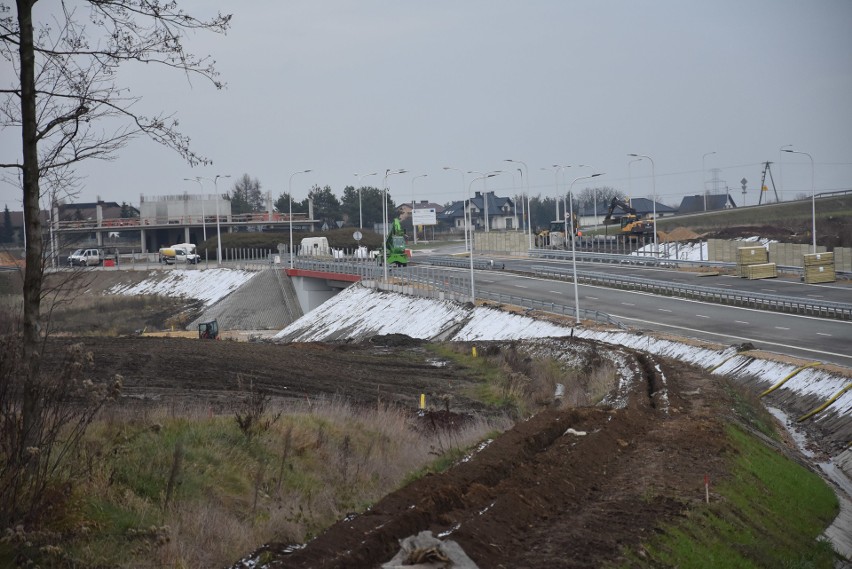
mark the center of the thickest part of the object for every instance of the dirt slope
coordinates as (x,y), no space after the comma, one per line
(539,496)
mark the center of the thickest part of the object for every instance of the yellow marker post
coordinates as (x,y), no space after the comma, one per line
(422,400)
(473,351)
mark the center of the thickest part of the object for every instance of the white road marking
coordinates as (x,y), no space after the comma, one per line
(521,286)
(701,316)
(728,336)
(740,321)
(592,298)
(628,304)
(555,291)
(781,328)
(664,310)
(823,334)
(769,290)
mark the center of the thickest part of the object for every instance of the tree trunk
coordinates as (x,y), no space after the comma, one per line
(33,274)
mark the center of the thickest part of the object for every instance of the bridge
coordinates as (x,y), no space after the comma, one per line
(808,321)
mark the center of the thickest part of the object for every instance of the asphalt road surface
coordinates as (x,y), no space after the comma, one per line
(801,336)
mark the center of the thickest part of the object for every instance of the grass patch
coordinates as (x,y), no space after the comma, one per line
(137,505)
(769,512)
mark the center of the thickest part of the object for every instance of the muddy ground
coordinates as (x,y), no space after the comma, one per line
(536,496)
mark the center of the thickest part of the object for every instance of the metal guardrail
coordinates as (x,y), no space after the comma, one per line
(776,303)
(481,264)
(647,260)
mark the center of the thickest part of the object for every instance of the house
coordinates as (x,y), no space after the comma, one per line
(500,213)
(707,202)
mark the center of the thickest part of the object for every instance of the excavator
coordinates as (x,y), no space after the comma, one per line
(632,226)
(395,246)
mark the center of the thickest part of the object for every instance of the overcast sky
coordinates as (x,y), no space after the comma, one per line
(341,87)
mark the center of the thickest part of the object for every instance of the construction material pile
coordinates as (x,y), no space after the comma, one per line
(819,268)
(750,256)
(761,271)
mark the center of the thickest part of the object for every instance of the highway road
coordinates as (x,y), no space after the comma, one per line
(801,336)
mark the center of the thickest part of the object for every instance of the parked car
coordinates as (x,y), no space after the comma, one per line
(85,258)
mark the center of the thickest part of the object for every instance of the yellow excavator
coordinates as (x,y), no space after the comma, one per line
(631,225)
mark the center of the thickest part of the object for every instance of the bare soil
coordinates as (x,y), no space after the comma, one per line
(537,496)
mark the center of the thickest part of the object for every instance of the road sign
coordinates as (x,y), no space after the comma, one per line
(357,236)
(424,216)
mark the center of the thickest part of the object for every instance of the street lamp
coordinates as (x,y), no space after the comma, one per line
(388,172)
(197,180)
(573,249)
(218,229)
(290,195)
(529,214)
(465,214)
(781,167)
(704,177)
(654,200)
(483,176)
(630,179)
(470,207)
(360,214)
(414,227)
(813,194)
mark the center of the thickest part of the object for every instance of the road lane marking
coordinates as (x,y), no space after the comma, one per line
(592,298)
(555,291)
(728,336)
(521,286)
(823,334)
(628,304)
(664,310)
(701,316)
(781,328)
(740,321)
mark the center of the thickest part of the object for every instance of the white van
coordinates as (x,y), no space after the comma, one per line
(314,247)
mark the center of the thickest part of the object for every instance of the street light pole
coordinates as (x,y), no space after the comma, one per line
(470,205)
(573,248)
(388,172)
(483,176)
(360,213)
(780,168)
(813,194)
(464,216)
(630,179)
(654,195)
(529,214)
(197,180)
(704,177)
(218,230)
(290,195)
(414,227)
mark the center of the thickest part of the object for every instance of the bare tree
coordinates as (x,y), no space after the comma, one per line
(67,103)
(603,195)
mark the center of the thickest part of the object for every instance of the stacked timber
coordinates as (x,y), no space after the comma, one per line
(819,268)
(747,256)
(761,271)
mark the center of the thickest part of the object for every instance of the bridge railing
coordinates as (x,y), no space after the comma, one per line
(429,281)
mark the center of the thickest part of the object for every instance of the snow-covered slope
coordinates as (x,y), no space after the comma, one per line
(207,285)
